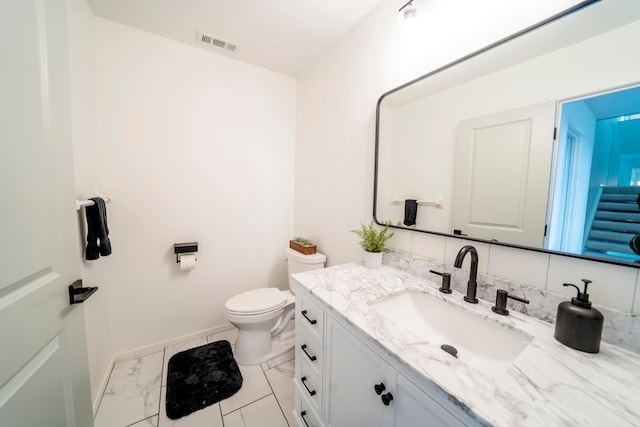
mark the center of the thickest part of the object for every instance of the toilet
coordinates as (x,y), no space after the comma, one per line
(262,314)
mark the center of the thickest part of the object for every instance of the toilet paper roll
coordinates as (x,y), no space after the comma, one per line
(187,262)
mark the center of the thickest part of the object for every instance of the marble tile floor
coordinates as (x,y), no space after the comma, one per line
(135,393)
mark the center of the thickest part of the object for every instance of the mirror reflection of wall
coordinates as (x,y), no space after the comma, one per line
(419,123)
(595,210)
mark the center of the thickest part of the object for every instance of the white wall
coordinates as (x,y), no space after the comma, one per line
(192,147)
(335,139)
(96,309)
(337,98)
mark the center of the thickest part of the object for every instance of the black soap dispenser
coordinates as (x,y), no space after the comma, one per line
(578,325)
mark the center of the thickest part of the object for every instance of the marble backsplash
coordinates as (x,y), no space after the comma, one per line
(621,329)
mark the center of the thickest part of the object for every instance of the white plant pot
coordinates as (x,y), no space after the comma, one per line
(372,259)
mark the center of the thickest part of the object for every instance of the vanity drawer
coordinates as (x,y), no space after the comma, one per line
(304,414)
(309,314)
(309,351)
(309,382)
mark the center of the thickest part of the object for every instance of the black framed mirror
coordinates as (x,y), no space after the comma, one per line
(502,145)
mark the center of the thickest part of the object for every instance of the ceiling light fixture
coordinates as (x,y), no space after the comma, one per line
(409,10)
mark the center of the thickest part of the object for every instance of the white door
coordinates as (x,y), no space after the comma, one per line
(510,205)
(43,358)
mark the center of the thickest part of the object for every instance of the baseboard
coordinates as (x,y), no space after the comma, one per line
(152,348)
(101,389)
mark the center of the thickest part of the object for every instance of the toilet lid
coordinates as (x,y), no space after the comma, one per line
(256,301)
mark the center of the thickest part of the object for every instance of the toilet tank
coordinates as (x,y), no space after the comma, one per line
(297,263)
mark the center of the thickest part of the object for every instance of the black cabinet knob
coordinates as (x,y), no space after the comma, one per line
(386,398)
(379,388)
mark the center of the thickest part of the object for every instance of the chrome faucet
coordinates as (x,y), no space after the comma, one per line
(472,285)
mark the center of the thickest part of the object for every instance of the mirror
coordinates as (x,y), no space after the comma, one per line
(500,145)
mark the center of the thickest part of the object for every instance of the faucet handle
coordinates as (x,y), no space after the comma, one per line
(501,302)
(445,288)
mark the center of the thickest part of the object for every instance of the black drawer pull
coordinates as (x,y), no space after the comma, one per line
(311,392)
(302,414)
(312,321)
(304,348)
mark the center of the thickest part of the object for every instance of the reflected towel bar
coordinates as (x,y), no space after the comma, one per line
(436,203)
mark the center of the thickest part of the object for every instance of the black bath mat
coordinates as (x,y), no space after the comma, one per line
(200,377)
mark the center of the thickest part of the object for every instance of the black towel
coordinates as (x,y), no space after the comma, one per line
(410,212)
(97,229)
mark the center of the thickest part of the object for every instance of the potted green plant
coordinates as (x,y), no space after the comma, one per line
(373,240)
(302,245)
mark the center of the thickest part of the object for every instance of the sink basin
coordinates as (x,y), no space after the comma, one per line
(482,343)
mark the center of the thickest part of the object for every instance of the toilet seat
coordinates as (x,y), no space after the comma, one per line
(256,301)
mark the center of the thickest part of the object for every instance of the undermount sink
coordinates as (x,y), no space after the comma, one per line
(482,343)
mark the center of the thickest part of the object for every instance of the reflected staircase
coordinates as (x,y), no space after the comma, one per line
(615,222)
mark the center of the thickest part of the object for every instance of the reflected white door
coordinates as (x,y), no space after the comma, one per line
(43,361)
(509,205)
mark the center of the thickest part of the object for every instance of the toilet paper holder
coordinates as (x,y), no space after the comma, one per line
(184,248)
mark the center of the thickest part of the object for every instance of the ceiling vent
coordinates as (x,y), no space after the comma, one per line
(216,42)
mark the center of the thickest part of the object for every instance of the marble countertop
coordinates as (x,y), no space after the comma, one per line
(548,384)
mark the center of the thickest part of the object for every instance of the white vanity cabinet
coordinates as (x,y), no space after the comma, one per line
(363,389)
(353,385)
